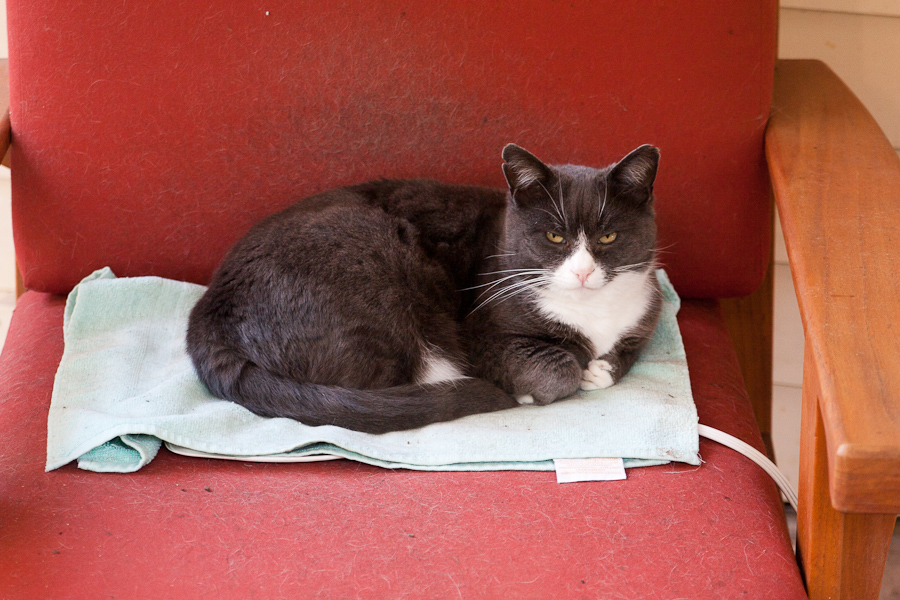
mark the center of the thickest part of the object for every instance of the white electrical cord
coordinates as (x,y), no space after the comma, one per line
(754,455)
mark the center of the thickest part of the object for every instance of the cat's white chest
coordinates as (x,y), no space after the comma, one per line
(604,315)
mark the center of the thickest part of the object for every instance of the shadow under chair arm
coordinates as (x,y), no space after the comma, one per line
(836,181)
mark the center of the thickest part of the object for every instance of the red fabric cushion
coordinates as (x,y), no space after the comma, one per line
(190,527)
(149,136)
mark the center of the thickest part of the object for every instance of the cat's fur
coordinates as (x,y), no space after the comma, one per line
(394,304)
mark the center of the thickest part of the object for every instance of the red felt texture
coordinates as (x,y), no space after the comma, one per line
(148,136)
(196,528)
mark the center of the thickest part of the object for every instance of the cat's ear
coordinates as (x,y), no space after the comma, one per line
(636,173)
(522,168)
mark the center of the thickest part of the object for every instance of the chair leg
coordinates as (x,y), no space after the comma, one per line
(842,555)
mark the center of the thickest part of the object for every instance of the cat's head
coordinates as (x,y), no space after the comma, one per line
(584,227)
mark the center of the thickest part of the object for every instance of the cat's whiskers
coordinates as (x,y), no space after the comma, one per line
(514,289)
(511,271)
(493,284)
(562,201)
(516,273)
(603,204)
(560,212)
(517,290)
(635,266)
(560,224)
(507,292)
(664,249)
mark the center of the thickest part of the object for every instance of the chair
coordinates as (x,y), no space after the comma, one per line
(150,136)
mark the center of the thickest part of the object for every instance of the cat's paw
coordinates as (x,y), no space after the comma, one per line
(526,399)
(597,376)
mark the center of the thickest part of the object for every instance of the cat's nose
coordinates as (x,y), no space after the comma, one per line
(583,274)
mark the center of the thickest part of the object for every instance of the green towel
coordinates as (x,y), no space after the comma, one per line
(126,383)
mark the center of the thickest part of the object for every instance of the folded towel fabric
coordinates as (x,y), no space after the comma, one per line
(126,383)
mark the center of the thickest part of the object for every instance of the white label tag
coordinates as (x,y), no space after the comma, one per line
(570,470)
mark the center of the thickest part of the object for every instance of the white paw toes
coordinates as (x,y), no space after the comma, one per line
(597,376)
(526,399)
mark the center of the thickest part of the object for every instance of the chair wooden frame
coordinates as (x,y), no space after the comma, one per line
(836,182)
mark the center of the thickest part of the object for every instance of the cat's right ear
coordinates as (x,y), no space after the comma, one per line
(636,173)
(522,168)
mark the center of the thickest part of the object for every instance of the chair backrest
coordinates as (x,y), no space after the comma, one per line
(148,136)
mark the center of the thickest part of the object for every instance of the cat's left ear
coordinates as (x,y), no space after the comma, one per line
(636,172)
(522,168)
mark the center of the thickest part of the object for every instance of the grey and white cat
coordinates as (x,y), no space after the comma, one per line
(398,303)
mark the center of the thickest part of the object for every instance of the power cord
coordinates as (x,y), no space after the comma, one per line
(756,456)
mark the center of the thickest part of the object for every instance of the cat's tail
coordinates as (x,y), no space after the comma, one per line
(373,411)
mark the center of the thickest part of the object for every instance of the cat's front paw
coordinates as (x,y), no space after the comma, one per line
(597,376)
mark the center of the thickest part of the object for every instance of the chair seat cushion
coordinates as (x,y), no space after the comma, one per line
(184,527)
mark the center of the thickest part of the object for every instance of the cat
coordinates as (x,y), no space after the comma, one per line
(394,304)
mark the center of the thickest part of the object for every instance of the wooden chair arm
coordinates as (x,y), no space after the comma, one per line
(836,182)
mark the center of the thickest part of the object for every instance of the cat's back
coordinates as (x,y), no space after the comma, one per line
(436,214)
(367,271)
(385,239)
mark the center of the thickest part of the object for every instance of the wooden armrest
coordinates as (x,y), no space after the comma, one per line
(836,181)
(4,110)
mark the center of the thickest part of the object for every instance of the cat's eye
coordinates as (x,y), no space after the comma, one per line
(608,238)
(555,238)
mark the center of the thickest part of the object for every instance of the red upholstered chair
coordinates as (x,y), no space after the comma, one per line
(149,136)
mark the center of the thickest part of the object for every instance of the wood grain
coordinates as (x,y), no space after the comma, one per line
(842,555)
(836,181)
